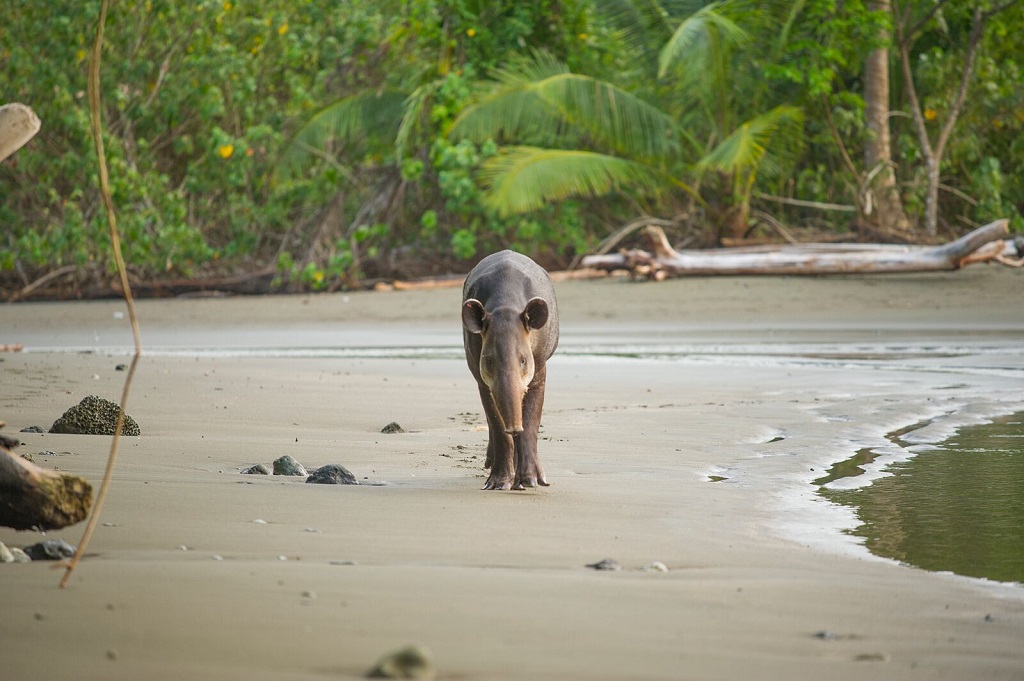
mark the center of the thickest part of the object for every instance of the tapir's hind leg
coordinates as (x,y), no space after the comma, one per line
(528,471)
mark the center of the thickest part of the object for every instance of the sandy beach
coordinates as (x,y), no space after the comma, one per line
(683,424)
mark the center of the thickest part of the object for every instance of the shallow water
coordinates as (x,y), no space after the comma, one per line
(957,507)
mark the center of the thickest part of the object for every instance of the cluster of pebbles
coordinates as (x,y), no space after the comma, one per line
(331,474)
(94,416)
(49,549)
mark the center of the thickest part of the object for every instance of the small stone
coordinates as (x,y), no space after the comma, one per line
(112,655)
(50,549)
(259,521)
(33,429)
(120,367)
(606,564)
(286,465)
(217,556)
(258,469)
(392,428)
(342,562)
(332,474)
(5,554)
(414,662)
(20,556)
(826,635)
(28,457)
(94,416)
(311,595)
(655,566)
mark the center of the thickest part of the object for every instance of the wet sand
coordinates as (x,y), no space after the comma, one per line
(656,388)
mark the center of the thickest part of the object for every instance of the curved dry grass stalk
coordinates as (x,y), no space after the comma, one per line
(115,241)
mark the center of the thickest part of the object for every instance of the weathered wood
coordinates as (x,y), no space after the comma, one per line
(18,124)
(36,498)
(815,259)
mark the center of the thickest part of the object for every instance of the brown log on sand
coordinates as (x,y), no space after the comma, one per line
(34,498)
(18,124)
(816,259)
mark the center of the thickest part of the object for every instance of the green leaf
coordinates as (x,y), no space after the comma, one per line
(521,179)
(746,147)
(689,42)
(372,118)
(530,110)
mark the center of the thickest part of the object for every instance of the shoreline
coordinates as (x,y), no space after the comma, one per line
(758,381)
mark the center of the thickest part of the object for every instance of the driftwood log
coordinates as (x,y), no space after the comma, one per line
(18,124)
(984,244)
(36,498)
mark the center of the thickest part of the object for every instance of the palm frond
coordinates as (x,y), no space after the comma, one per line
(525,110)
(689,42)
(747,146)
(521,179)
(372,117)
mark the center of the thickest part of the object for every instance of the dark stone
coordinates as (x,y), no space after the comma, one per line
(258,469)
(94,416)
(391,428)
(606,564)
(414,662)
(50,549)
(286,465)
(332,474)
(33,429)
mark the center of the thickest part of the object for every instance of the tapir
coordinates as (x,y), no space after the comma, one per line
(510,330)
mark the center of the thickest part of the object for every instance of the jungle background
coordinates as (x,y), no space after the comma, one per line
(317,145)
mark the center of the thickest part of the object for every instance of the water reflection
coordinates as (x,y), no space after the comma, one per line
(957,508)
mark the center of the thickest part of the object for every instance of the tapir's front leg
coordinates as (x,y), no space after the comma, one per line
(499,446)
(528,471)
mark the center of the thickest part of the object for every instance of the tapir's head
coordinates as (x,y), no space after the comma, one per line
(506,358)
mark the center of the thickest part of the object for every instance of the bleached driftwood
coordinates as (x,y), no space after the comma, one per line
(18,124)
(36,498)
(664,261)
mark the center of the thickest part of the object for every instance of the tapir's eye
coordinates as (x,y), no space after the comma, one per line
(522,362)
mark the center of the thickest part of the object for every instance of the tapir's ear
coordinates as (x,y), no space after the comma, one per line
(536,313)
(473,316)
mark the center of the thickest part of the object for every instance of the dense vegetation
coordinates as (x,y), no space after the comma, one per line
(326,142)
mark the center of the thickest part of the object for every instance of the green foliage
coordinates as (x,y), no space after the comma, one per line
(323,136)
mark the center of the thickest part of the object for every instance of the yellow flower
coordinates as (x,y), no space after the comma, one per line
(582,36)
(227,6)
(80,55)
(226,150)
(282,29)
(470,32)
(930,114)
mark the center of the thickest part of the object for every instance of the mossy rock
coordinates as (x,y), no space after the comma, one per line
(94,416)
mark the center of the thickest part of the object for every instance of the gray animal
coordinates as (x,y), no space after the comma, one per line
(510,329)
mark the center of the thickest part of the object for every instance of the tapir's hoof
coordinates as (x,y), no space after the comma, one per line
(498,484)
(530,482)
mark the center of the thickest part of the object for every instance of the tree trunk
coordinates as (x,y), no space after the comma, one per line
(880,202)
(36,498)
(806,259)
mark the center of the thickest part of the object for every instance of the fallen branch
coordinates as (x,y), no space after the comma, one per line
(815,259)
(36,498)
